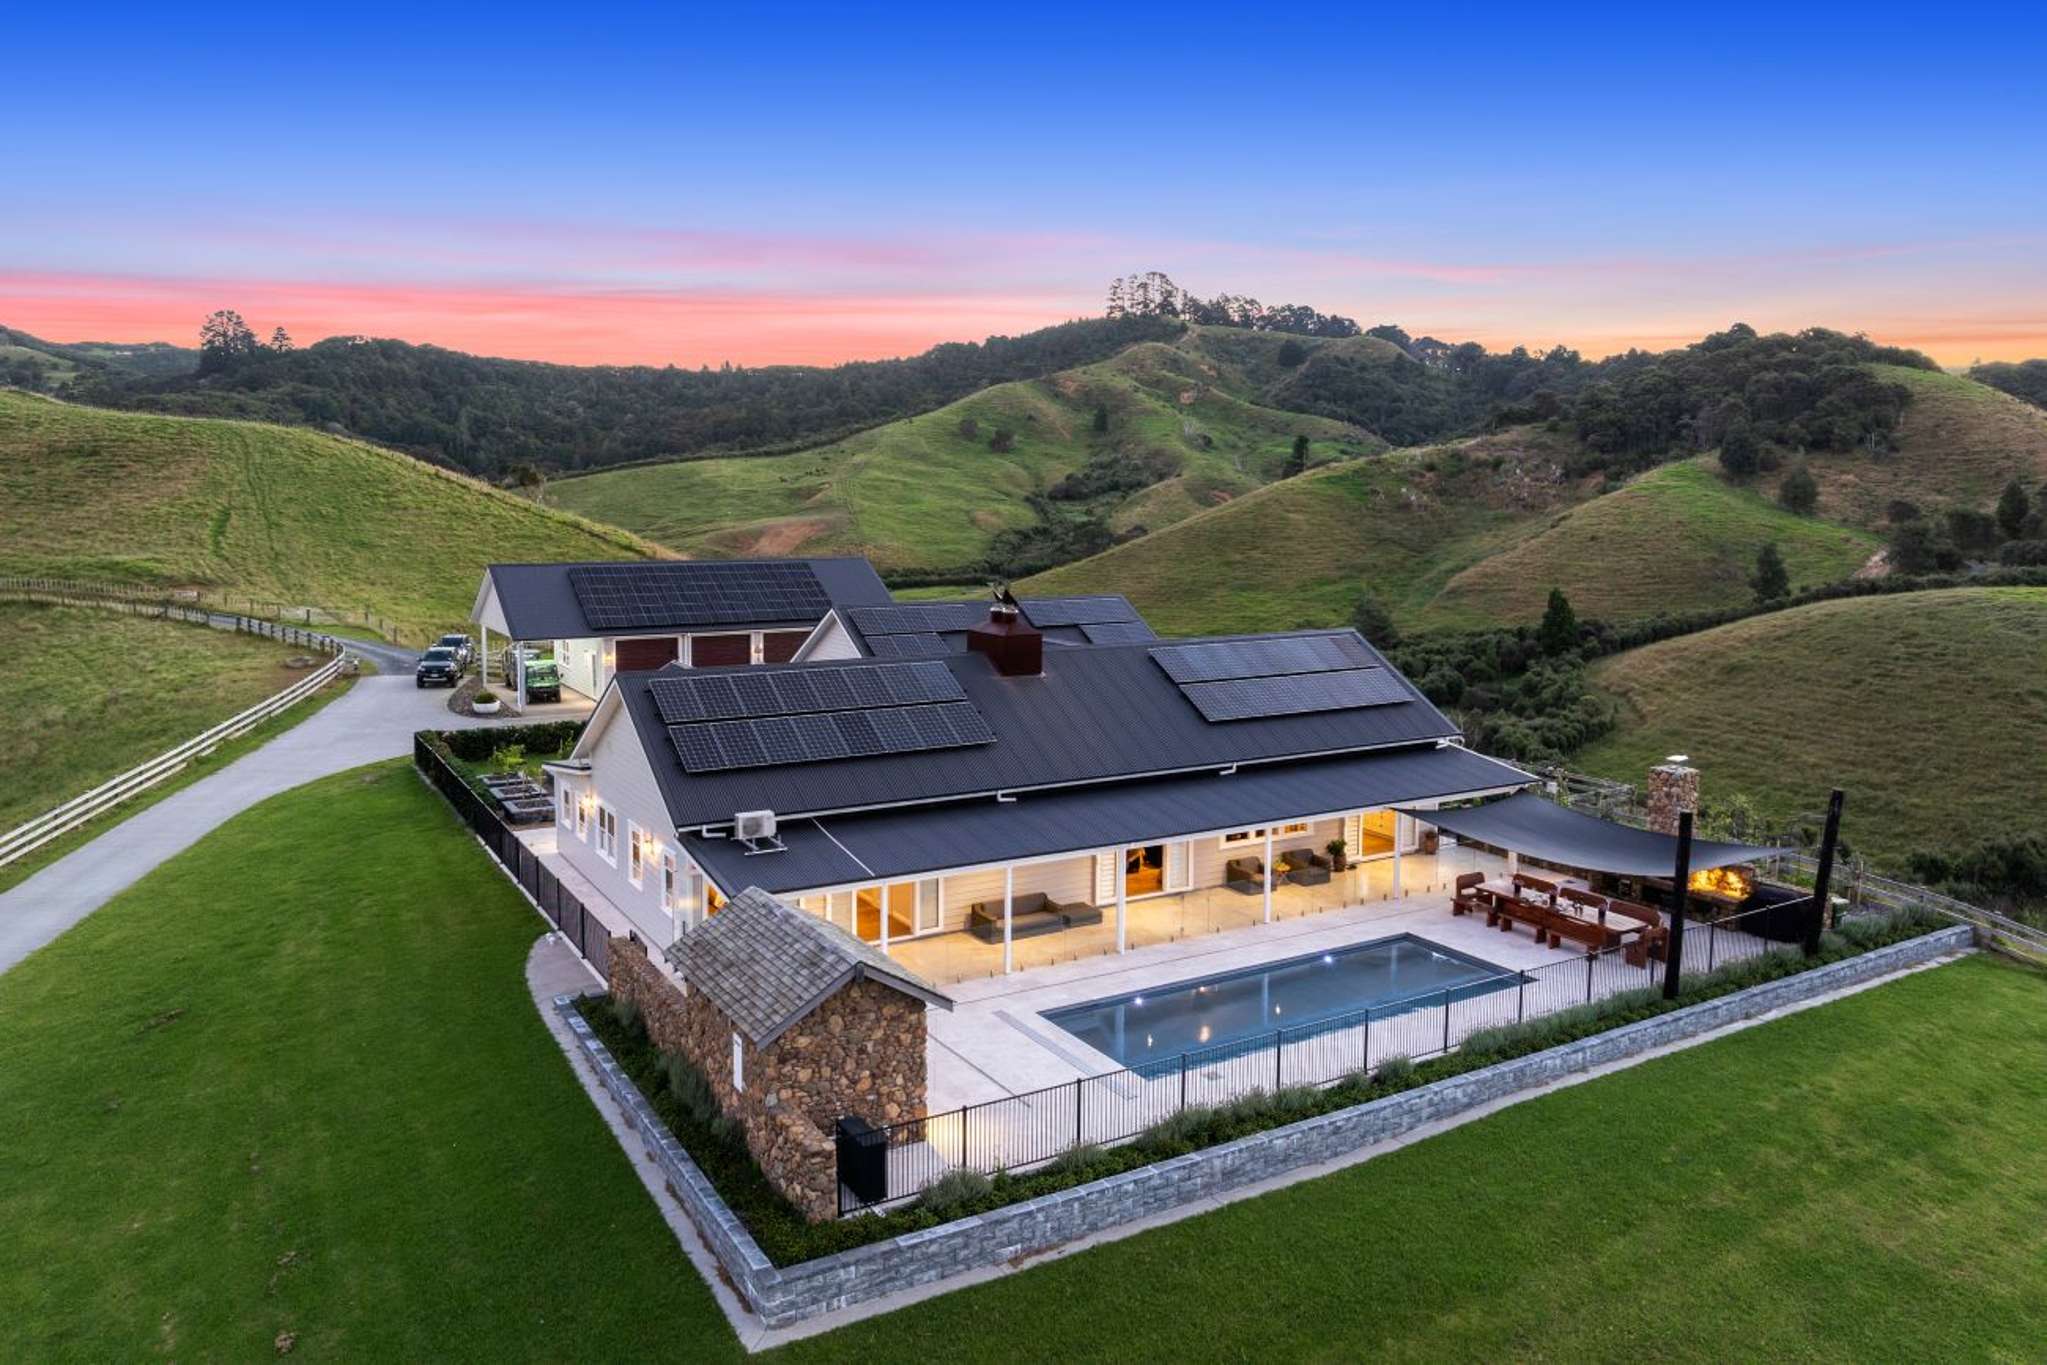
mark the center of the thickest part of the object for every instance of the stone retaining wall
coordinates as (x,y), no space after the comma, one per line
(784,1295)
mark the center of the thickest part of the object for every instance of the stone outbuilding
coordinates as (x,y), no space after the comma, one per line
(796,1023)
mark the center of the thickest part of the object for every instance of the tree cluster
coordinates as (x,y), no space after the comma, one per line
(486,416)
(2013,533)
(1153,294)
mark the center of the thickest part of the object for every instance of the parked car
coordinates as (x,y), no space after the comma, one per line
(464,647)
(543,681)
(438,667)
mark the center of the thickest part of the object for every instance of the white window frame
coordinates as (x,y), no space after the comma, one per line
(738,1064)
(583,803)
(671,883)
(1239,837)
(607,843)
(636,841)
(565,805)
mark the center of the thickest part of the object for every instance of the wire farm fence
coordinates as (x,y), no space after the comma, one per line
(563,909)
(1020,1132)
(205,602)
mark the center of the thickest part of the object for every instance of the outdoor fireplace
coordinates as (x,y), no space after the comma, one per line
(1728,886)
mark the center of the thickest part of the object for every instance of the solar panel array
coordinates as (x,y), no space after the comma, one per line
(918,618)
(721,745)
(796,691)
(1118,633)
(640,596)
(923,645)
(761,718)
(1261,658)
(1044,612)
(1248,679)
(1295,693)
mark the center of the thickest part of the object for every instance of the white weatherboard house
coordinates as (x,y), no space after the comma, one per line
(977,789)
(600,619)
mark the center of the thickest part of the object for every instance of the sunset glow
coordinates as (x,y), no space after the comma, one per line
(707,192)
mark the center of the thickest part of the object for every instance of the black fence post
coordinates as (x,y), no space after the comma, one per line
(1823,879)
(1590,958)
(1076,1113)
(1446,1021)
(1183,1081)
(1678,890)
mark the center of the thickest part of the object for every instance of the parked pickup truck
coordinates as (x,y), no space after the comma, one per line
(543,680)
(464,647)
(438,667)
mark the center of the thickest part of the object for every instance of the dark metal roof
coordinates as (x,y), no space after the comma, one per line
(1541,828)
(1098,713)
(539,601)
(768,965)
(836,850)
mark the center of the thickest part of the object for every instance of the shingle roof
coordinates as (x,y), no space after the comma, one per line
(768,965)
(1098,713)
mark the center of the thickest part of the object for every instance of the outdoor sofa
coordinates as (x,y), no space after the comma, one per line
(1031,913)
(1245,876)
(1304,868)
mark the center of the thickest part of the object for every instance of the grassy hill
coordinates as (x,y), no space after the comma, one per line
(1679,538)
(1300,552)
(1958,443)
(922,495)
(278,511)
(1926,707)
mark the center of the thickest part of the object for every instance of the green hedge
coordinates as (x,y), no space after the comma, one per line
(474,746)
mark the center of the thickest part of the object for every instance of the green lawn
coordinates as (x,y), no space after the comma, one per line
(282,513)
(97,692)
(293,1083)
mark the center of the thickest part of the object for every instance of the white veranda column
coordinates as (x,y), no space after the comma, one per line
(1122,900)
(881,898)
(1396,854)
(1268,874)
(1008,904)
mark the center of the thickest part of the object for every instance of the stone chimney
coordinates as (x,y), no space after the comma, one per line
(1673,787)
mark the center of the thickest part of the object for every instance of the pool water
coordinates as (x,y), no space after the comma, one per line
(1214,1014)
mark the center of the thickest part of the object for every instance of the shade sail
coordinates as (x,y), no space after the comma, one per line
(1532,825)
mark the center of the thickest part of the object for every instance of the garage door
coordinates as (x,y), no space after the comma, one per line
(711,651)
(647,653)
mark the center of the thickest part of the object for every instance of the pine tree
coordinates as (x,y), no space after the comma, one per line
(1558,633)
(1771,579)
(1297,462)
(1799,493)
(280,340)
(2012,508)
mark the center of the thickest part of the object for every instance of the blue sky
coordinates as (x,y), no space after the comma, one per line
(659,184)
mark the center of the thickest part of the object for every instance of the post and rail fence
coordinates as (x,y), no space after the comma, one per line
(52,824)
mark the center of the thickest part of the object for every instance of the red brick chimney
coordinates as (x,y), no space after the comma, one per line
(1012,644)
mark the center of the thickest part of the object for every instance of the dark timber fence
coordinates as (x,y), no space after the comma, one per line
(582,929)
(205,606)
(1022,1131)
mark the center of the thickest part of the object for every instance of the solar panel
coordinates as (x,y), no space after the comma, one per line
(715,746)
(1118,632)
(736,695)
(918,618)
(1262,658)
(642,596)
(1076,611)
(921,645)
(1296,693)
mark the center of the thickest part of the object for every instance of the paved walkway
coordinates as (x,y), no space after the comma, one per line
(374,721)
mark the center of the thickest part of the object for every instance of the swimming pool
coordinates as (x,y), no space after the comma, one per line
(1214,1013)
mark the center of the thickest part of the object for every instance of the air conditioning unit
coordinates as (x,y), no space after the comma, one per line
(754,825)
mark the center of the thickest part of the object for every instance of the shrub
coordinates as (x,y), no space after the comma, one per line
(1799,492)
(692,1090)
(2024,554)
(485,696)
(1077,1160)
(506,757)
(969,428)
(627,1012)
(1003,441)
(1394,1070)
(1178,1133)
(949,1195)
